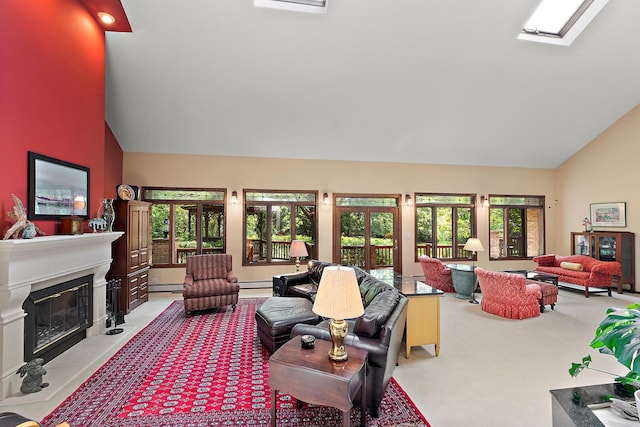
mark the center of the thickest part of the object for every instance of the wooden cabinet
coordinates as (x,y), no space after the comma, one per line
(423,320)
(423,308)
(131,253)
(609,246)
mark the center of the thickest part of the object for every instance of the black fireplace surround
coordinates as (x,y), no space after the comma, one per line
(57,318)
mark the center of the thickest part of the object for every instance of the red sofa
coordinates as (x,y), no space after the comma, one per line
(594,274)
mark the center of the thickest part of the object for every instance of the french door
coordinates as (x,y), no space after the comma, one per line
(366,231)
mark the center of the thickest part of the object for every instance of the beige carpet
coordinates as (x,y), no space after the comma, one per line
(497,372)
(491,371)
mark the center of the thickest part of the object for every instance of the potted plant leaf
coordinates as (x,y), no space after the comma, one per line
(618,335)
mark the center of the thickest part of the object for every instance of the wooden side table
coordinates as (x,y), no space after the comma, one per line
(310,376)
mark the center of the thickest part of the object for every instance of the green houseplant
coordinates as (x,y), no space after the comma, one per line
(618,335)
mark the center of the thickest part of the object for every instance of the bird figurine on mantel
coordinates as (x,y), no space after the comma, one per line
(19,215)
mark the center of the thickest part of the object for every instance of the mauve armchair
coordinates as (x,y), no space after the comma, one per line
(508,295)
(209,282)
(436,274)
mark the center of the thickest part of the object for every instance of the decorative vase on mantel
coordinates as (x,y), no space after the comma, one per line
(108,213)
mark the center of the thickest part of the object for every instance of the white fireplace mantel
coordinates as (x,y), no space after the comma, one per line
(33,264)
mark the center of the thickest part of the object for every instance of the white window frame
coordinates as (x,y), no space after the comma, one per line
(308,6)
(572,34)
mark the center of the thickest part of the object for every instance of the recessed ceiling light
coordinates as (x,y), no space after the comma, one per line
(106,18)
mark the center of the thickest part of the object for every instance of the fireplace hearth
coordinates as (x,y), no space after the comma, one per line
(57,318)
(31,265)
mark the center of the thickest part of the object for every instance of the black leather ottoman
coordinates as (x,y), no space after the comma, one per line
(11,419)
(278,315)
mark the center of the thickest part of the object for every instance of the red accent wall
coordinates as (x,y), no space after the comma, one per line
(52,98)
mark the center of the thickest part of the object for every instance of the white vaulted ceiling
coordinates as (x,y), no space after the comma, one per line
(417,81)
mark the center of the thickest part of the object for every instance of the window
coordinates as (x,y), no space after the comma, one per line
(516,227)
(444,222)
(185,222)
(366,229)
(310,6)
(273,219)
(560,22)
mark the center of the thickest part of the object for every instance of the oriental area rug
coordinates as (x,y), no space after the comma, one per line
(204,370)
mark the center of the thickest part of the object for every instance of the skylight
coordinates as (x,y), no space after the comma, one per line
(310,6)
(560,21)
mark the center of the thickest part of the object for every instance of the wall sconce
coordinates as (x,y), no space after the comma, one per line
(234,197)
(408,200)
(325,199)
(484,202)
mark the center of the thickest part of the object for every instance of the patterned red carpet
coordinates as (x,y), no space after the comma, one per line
(205,370)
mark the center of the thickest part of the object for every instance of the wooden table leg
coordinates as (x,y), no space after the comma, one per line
(363,398)
(273,408)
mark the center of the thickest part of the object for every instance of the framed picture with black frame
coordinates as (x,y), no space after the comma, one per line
(57,188)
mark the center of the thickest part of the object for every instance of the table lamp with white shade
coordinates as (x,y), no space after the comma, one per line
(474,246)
(338,298)
(298,249)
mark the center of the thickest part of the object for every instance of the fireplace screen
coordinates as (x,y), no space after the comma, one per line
(57,317)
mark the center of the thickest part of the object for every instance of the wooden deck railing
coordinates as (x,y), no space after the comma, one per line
(380,256)
(279,250)
(442,251)
(512,249)
(183,253)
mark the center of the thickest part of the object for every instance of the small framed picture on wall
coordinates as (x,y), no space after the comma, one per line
(609,214)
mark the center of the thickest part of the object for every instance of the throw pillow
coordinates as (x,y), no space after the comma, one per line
(376,313)
(369,288)
(574,266)
(315,271)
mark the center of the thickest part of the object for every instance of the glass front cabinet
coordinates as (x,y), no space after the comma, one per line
(605,246)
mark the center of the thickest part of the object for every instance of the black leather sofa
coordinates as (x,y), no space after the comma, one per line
(379,330)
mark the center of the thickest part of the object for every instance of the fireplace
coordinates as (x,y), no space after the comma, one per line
(29,266)
(57,318)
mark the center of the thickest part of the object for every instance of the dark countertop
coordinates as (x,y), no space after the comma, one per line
(574,401)
(407,285)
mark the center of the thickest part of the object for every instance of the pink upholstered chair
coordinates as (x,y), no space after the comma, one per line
(436,274)
(508,294)
(209,282)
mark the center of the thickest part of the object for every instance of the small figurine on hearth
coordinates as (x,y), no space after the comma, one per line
(32,372)
(586,223)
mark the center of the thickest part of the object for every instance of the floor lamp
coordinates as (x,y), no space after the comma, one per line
(474,246)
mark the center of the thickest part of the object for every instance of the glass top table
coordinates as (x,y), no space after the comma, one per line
(537,275)
(407,285)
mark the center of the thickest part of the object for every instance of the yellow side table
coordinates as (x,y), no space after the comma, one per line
(423,311)
(423,316)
